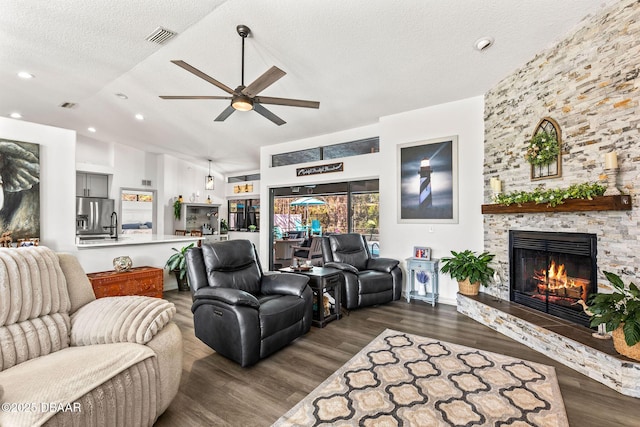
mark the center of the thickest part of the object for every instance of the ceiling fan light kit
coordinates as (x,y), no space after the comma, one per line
(242,103)
(245,98)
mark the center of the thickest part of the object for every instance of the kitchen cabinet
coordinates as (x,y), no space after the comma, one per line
(92,185)
(199,217)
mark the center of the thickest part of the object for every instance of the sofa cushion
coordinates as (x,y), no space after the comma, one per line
(78,284)
(372,282)
(134,319)
(34,305)
(33,338)
(279,313)
(63,377)
(31,284)
(232,264)
(349,249)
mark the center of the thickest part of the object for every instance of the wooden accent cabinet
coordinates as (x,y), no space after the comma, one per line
(145,281)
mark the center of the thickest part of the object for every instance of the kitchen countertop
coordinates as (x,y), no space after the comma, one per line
(135,239)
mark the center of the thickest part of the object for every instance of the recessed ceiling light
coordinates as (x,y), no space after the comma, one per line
(15,115)
(139,117)
(25,75)
(122,96)
(483,43)
(91,129)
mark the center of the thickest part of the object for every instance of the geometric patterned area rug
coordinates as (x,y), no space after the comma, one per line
(402,379)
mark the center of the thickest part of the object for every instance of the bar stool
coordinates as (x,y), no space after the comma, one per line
(197,233)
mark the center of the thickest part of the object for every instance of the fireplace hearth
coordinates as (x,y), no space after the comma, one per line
(551,272)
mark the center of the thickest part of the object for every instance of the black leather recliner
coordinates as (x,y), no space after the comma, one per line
(368,281)
(240,312)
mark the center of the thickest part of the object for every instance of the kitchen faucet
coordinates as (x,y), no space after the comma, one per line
(114,225)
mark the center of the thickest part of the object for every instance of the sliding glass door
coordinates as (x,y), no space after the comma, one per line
(300,212)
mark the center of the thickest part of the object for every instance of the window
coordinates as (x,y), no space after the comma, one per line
(344,149)
(353,148)
(340,207)
(243,178)
(295,157)
(244,214)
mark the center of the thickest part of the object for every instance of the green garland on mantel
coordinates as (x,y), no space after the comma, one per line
(552,197)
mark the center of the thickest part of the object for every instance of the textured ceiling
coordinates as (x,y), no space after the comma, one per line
(362,59)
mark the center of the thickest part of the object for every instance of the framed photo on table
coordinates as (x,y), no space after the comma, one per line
(422,252)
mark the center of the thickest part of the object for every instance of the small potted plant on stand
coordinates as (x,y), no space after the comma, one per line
(178,264)
(469,269)
(620,312)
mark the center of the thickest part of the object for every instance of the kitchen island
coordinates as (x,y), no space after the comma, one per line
(151,250)
(134,239)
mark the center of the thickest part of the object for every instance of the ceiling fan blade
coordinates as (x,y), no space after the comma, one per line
(287,101)
(269,77)
(202,75)
(268,114)
(194,97)
(226,113)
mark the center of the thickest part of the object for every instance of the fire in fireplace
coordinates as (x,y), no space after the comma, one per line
(555,282)
(551,271)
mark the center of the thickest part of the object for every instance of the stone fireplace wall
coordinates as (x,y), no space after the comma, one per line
(589,83)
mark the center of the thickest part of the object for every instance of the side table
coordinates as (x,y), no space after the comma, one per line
(323,282)
(422,280)
(145,281)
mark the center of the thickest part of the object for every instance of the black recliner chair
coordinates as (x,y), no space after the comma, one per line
(368,281)
(240,312)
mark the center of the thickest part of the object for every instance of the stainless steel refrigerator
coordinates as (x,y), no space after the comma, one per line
(94,217)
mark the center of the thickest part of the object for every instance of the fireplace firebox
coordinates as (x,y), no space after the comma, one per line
(551,272)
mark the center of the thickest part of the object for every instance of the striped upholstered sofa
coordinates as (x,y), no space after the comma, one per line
(67,358)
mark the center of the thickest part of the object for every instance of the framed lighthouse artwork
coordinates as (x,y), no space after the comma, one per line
(428,180)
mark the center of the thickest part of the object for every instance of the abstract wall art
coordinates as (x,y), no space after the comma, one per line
(19,189)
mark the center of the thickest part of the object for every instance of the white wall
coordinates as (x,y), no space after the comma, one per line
(57,179)
(357,167)
(169,176)
(463,118)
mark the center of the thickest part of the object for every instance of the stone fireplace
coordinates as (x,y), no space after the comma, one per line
(551,272)
(584,83)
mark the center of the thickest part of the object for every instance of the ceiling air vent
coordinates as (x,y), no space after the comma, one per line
(68,105)
(160,36)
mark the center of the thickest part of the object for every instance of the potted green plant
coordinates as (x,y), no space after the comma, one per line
(178,264)
(620,312)
(252,228)
(177,205)
(224,228)
(469,269)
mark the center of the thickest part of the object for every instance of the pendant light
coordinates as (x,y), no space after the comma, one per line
(208,184)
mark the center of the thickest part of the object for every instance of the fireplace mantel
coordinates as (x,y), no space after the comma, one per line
(601,203)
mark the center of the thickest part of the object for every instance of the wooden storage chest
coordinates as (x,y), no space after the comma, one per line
(145,281)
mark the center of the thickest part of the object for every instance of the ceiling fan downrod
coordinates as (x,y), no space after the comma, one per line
(244,32)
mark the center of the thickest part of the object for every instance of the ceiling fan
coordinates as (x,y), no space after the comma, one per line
(245,98)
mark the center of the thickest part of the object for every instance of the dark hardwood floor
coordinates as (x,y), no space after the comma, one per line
(217,392)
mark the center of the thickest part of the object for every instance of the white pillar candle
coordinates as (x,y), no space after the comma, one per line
(496,185)
(611,160)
